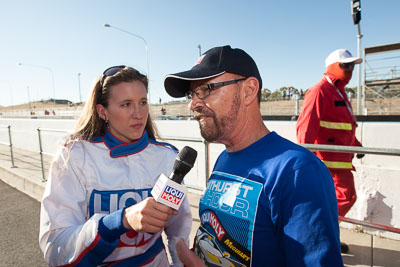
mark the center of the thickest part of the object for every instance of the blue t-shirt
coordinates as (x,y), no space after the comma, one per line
(270,204)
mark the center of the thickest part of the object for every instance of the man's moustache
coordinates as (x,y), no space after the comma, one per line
(197,115)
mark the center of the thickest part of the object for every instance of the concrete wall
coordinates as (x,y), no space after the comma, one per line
(377,178)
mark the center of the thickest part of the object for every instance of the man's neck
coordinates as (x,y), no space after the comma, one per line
(246,132)
(340,84)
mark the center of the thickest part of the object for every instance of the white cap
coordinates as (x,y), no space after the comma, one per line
(342,56)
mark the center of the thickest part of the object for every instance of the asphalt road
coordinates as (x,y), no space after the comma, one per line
(19,229)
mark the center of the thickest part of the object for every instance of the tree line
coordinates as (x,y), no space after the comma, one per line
(293,93)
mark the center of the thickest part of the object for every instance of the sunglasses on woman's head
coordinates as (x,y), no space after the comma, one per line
(111,71)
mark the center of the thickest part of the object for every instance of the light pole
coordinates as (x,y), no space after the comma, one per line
(360,95)
(146,47)
(356,14)
(79,87)
(199,47)
(51,74)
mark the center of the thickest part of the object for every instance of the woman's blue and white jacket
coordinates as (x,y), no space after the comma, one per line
(90,183)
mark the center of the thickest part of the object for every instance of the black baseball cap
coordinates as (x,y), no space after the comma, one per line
(214,62)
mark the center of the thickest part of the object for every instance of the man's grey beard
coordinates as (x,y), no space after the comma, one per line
(222,125)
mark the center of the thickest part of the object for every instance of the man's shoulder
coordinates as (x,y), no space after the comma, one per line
(321,84)
(287,150)
(320,90)
(296,154)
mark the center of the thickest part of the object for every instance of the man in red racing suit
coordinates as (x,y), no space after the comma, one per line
(327,118)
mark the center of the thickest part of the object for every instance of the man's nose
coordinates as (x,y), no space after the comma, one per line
(195,102)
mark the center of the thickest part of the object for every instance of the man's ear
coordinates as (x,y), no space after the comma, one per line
(101,111)
(250,87)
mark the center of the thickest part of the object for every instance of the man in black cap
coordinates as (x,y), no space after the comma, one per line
(268,202)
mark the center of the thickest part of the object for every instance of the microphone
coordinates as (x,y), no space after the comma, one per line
(170,191)
(183,164)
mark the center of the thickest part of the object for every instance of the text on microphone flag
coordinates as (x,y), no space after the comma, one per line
(172,195)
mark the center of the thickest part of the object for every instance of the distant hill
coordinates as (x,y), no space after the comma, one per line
(42,104)
(377,106)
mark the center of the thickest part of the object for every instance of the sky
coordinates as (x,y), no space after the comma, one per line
(59,48)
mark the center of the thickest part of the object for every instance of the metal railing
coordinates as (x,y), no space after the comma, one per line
(354,149)
(376,226)
(41,152)
(9,144)
(331,148)
(362,150)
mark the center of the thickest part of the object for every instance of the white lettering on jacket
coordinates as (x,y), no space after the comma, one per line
(111,201)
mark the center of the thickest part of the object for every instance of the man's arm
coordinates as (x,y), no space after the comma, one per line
(307,216)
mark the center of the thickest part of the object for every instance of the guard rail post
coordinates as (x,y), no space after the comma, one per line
(41,155)
(11,149)
(9,144)
(207,160)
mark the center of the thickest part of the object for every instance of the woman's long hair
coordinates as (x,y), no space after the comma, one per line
(90,124)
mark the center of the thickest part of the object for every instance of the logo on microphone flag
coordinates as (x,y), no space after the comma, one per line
(169,192)
(172,195)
